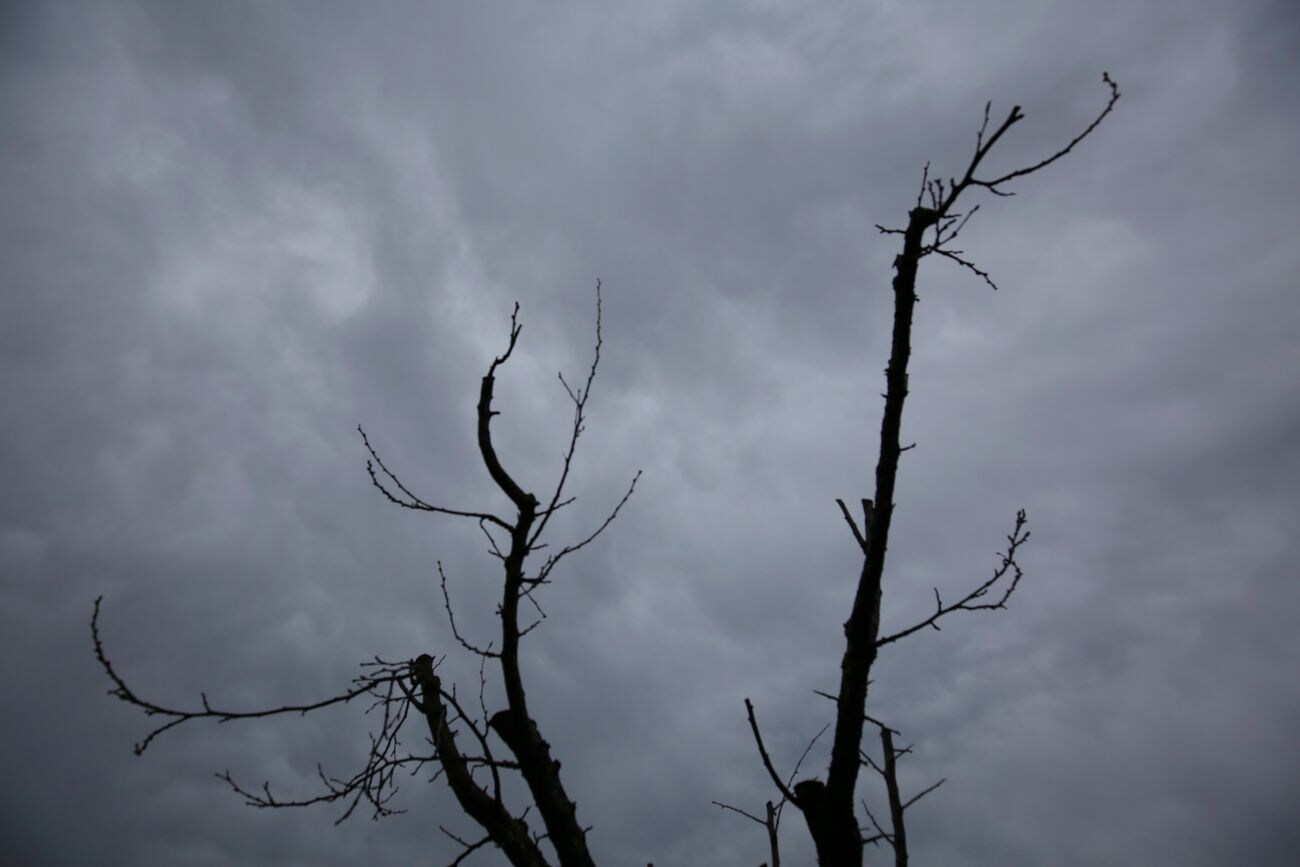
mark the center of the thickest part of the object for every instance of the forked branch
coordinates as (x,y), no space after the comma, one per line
(772,816)
(409,500)
(896,836)
(970,602)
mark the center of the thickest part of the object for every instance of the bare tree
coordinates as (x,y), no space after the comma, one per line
(396,690)
(828,807)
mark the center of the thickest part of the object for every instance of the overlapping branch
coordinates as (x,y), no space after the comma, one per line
(385,673)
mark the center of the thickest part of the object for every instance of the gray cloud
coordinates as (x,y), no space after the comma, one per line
(231,232)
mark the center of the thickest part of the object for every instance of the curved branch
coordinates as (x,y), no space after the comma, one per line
(888,770)
(365,684)
(1020,173)
(507,832)
(780,784)
(469,849)
(554,559)
(412,501)
(579,399)
(943,197)
(485,413)
(1017,537)
(451,618)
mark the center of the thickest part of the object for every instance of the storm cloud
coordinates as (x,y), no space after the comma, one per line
(233,231)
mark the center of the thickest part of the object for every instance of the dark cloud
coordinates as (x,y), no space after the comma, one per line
(231,232)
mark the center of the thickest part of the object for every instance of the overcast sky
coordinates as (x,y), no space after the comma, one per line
(231,232)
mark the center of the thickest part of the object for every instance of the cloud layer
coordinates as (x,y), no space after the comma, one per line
(231,232)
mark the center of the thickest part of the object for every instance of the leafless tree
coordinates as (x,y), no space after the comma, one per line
(828,807)
(397,690)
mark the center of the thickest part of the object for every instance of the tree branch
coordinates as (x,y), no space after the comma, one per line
(888,770)
(1015,539)
(781,786)
(451,618)
(943,196)
(579,399)
(554,559)
(857,534)
(388,672)
(1020,173)
(829,809)
(412,501)
(469,849)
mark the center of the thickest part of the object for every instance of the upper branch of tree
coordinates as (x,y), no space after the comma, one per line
(860,535)
(555,558)
(386,673)
(1015,539)
(1015,116)
(409,500)
(943,196)
(470,848)
(499,475)
(579,398)
(515,725)
(944,201)
(781,785)
(747,815)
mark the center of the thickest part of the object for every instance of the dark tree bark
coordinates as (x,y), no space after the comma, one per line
(831,818)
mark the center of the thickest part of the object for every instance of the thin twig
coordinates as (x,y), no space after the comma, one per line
(412,501)
(767,760)
(1015,539)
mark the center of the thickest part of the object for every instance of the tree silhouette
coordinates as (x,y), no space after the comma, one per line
(474,771)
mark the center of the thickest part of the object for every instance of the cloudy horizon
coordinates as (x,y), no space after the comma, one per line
(233,232)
